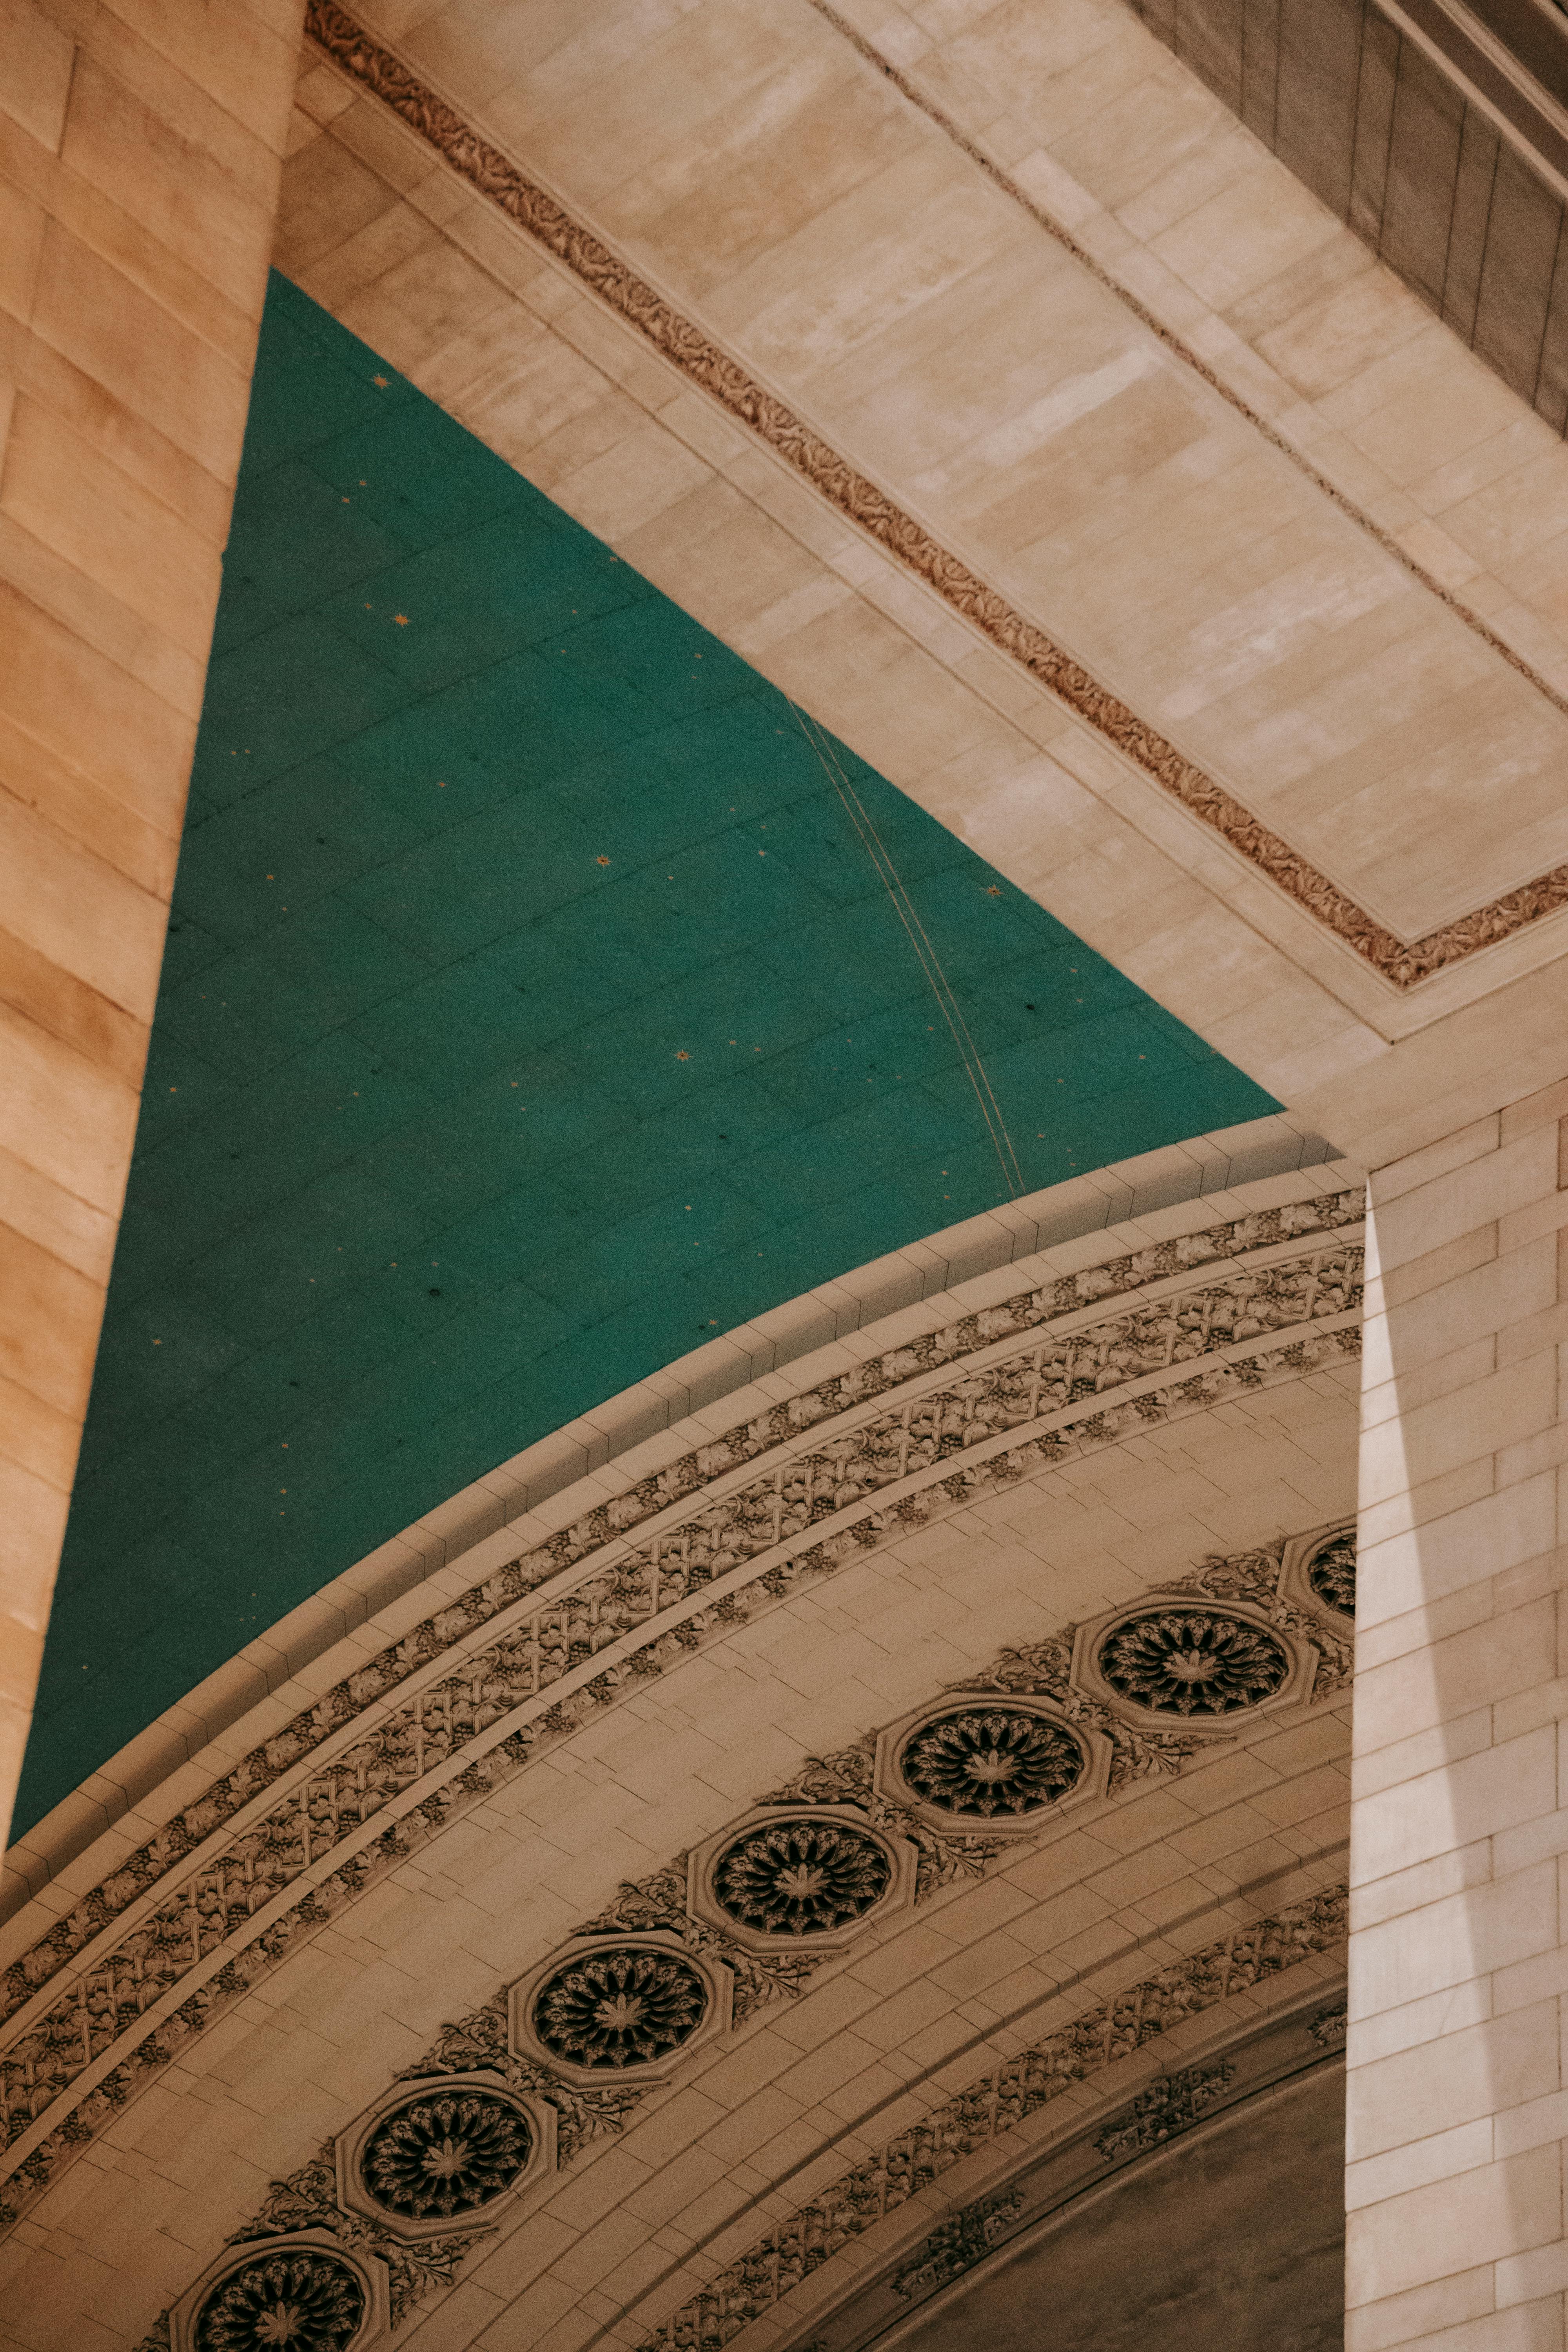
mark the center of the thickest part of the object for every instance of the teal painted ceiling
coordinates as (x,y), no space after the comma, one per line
(532,1011)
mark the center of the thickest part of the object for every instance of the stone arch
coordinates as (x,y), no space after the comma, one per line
(390,1918)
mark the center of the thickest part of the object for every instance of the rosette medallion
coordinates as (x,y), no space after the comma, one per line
(297,2299)
(628,2006)
(992,1760)
(446,2154)
(801,1877)
(1331,1573)
(1192,1661)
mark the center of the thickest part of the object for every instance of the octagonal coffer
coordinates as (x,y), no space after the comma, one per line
(331,2297)
(991,1760)
(800,1878)
(434,2156)
(1185,1662)
(1319,1573)
(619,2009)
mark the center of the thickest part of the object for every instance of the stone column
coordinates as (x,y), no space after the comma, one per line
(1458,2108)
(141,146)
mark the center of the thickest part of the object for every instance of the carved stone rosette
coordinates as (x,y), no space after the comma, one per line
(434,2156)
(620,2009)
(1183,1661)
(308,2292)
(1319,1575)
(992,1761)
(570,2050)
(802,1877)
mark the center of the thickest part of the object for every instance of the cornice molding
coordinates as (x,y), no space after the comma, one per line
(1403,963)
(439,1719)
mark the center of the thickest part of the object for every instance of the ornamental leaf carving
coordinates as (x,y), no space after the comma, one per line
(984,1762)
(1330,2027)
(300,2296)
(628,2006)
(971,1436)
(1170,2106)
(1010,2092)
(957,2245)
(1331,1573)
(801,1877)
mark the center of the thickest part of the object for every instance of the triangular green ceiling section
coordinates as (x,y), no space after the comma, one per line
(453,1128)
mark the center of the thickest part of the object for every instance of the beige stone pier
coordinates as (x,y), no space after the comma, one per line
(140,143)
(1458,2098)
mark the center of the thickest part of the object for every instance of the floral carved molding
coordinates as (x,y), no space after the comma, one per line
(1404,962)
(991,2104)
(382,1761)
(659,1944)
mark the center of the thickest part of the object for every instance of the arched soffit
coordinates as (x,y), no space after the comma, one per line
(542,993)
(549,1762)
(1232,2236)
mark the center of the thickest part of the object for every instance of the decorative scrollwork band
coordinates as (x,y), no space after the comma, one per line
(1166,2108)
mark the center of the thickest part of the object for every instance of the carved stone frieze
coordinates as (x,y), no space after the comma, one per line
(583,2037)
(957,2245)
(786,2254)
(1330,2027)
(1403,962)
(1169,2106)
(827,1495)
